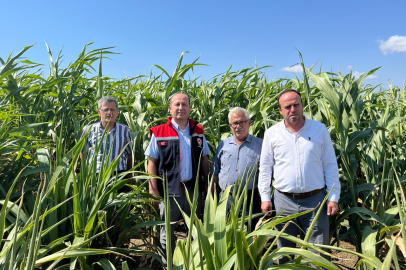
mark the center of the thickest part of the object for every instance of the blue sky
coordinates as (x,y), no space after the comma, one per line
(355,35)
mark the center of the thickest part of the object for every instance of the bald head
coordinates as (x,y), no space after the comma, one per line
(177,95)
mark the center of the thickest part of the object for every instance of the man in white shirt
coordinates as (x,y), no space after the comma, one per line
(298,152)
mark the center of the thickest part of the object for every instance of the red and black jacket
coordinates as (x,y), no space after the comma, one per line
(169,154)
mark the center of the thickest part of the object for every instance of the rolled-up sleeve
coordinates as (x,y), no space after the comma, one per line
(265,169)
(330,167)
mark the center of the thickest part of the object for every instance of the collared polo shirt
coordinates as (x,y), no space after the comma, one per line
(299,162)
(233,161)
(117,139)
(186,170)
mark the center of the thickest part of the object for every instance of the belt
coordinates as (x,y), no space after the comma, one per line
(301,195)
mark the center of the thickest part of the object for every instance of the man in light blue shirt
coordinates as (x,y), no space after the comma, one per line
(174,153)
(237,157)
(186,158)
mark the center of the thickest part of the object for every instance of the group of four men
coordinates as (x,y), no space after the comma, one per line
(297,153)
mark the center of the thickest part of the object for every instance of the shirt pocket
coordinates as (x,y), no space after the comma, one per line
(252,164)
(312,150)
(226,161)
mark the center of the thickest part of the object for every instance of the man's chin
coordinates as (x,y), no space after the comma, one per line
(240,136)
(294,119)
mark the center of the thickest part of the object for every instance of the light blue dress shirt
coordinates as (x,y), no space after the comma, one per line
(233,161)
(186,170)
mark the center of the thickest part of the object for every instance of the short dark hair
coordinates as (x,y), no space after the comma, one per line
(286,91)
(170,98)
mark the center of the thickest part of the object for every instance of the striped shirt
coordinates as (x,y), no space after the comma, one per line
(116,139)
(233,161)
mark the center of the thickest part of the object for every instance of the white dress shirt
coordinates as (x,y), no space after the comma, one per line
(300,162)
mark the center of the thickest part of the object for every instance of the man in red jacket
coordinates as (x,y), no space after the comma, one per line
(174,153)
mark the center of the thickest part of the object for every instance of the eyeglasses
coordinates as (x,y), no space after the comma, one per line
(108,109)
(241,123)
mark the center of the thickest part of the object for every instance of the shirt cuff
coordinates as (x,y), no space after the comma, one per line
(265,197)
(333,197)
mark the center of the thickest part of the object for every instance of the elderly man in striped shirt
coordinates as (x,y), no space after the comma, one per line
(116,139)
(237,157)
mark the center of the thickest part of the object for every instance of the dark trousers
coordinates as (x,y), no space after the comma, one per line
(176,214)
(256,206)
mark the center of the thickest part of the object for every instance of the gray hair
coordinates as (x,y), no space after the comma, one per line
(238,110)
(105,100)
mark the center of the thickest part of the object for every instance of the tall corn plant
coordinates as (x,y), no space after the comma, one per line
(49,149)
(360,143)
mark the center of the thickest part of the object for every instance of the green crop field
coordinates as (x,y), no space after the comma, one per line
(59,214)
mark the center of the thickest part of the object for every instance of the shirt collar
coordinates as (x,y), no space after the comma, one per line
(177,126)
(304,125)
(100,125)
(248,139)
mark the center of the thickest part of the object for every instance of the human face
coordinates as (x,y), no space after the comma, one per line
(291,108)
(180,107)
(240,130)
(108,112)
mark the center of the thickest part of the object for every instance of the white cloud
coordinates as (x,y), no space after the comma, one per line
(349,67)
(393,44)
(295,68)
(357,74)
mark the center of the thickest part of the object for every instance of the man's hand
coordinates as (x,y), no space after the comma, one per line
(204,166)
(215,184)
(332,208)
(266,207)
(153,184)
(157,196)
(129,167)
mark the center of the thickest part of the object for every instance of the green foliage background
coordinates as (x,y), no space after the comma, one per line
(53,216)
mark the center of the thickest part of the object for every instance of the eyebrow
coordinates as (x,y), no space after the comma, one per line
(297,103)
